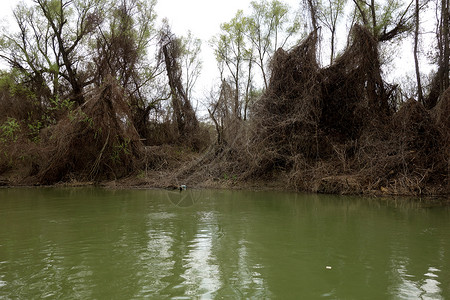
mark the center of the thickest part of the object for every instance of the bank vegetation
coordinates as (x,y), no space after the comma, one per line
(96,92)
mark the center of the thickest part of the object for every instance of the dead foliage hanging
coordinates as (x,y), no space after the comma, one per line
(328,129)
(441,113)
(221,112)
(285,119)
(404,156)
(95,141)
(227,158)
(188,129)
(354,94)
(306,109)
(334,129)
(18,155)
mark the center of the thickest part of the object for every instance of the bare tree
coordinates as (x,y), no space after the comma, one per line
(444,50)
(313,7)
(440,80)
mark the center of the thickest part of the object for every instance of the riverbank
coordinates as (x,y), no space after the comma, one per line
(340,184)
(339,129)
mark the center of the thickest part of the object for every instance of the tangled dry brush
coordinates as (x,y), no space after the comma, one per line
(337,129)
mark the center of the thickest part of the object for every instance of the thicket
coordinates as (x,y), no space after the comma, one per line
(83,97)
(337,129)
(114,114)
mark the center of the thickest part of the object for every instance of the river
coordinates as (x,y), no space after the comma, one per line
(93,243)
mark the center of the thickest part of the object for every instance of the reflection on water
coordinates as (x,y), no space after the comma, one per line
(408,287)
(184,198)
(93,243)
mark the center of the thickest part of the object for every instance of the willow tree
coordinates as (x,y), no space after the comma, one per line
(191,62)
(270,26)
(64,47)
(387,21)
(230,49)
(51,44)
(329,14)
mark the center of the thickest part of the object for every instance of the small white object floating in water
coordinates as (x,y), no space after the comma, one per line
(328,267)
(182,187)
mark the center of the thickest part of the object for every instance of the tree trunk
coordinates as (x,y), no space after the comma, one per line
(333,33)
(313,12)
(445,42)
(236,109)
(248,88)
(374,18)
(416,59)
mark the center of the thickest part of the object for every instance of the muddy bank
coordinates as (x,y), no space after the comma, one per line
(340,184)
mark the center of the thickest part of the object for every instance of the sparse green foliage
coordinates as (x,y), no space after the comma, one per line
(270,26)
(249,40)
(10,82)
(9,130)
(330,11)
(387,21)
(35,128)
(119,149)
(230,50)
(191,62)
(61,104)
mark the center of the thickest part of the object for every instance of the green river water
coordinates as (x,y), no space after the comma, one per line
(92,243)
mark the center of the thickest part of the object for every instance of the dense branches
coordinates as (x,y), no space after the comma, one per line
(96,92)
